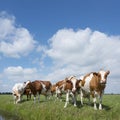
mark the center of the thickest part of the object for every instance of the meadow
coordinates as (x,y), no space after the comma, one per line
(54,110)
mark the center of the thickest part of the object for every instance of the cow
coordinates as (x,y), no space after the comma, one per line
(40,87)
(73,88)
(59,88)
(94,83)
(18,90)
(46,88)
(75,83)
(55,90)
(69,85)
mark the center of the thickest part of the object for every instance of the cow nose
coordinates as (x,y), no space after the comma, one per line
(103,82)
(73,90)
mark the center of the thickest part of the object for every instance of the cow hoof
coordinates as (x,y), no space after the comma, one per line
(65,106)
(100,108)
(75,105)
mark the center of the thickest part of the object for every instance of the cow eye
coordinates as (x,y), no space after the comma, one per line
(105,76)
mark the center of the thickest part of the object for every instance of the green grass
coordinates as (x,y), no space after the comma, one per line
(54,110)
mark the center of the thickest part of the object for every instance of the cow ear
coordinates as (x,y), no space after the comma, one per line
(79,80)
(68,81)
(95,73)
(108,72)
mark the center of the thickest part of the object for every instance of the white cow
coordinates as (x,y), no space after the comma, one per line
(18,90)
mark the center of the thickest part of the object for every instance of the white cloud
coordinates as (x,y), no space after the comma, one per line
(20,74)
(84,48)
(14,41)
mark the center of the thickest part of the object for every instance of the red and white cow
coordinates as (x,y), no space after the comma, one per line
(40,87)
(94,84)
(18,90)
(56,90)
(70,85)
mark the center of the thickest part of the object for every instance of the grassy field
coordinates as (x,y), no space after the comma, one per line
(53,110)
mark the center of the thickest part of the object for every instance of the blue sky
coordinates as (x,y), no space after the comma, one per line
(50,40)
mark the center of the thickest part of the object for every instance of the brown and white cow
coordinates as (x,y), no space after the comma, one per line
(60,88)
(40,87)
(94,84)
(46,88)
(56,90)
(70,85)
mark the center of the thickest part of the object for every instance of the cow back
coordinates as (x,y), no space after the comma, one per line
(47,84)
(35,86)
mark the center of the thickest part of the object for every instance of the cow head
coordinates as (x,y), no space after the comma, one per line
(103,76)
(74,82)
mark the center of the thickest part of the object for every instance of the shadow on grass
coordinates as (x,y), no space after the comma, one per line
(105,107)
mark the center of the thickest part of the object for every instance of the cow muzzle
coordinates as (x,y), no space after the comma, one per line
(74,90)
(103,82)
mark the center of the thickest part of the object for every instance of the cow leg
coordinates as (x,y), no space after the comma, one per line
(74,99)
(21,97)
(58,94)
(67,99)
(100,102)
(15,99)
(94,101)
(38,97)
(88,99)
(34,99)
(81,97)
(18,98)
(49,94)
(27,96)
(30,96)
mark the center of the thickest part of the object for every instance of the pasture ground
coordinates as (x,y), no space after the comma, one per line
(54,110)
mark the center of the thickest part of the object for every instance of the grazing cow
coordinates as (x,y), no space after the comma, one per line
(40,87)
(18,90)
(94,84)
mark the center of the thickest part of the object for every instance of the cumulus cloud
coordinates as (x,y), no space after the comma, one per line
(20,74)
(15,41)
(84,48)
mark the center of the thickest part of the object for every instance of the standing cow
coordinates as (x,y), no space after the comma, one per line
(94,84)
(40,87)
(69,86)
(73,88)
